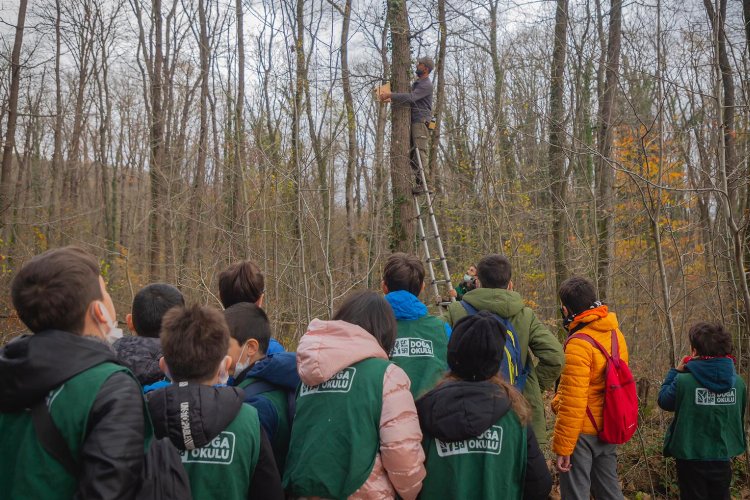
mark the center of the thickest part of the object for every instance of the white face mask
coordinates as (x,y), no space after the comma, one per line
(239,367)
(114,332)
(223,374)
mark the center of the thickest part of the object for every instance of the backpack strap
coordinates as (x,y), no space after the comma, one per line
(614,358)
(259,387)
(51,439)
(262,386)
(470,310)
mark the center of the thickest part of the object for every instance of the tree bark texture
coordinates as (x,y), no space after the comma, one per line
(606,173)
(10,134)
(402,227)
(557,156)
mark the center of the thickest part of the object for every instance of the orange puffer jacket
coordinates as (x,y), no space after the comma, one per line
(582,379)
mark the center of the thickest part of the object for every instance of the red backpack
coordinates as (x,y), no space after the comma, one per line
(620,415)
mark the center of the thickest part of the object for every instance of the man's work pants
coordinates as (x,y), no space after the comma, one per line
(419,133)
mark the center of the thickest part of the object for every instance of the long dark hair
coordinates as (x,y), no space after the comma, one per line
(373,313)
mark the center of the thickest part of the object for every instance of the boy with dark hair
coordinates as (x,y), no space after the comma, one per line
(141,352)
(269,381)
(67,375)
(224,450)
(586,463)
(494,293)
(422,341)
(708,398)
(244,282)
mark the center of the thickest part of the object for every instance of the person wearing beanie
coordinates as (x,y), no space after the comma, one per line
(420,102)
(477,439)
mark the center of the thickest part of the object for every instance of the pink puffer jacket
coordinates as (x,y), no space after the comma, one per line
(330,346)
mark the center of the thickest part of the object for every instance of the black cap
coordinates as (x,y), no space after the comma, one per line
(476,347)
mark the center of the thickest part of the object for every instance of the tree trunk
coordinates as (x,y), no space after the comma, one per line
(499,120)
(10,135)
(606,206)
(296,144)
(718,21)
(193,237)
(156,137)
(239,141)
(439,98)
(557,156)
(402,226)
(351,125)
(53,212)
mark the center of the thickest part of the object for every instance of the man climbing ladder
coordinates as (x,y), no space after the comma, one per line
(420,101)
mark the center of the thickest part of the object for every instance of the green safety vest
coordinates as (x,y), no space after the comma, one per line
(492,465)
(29,471)
(421,350)
(223,468)
(336,432)
(280,442)
(706,425)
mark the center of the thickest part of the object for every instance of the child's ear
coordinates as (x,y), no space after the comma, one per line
(384,287)
(252,347)
(227,363)
(259,302)
(422,289)
(510,286)
(129,321)
(163,367)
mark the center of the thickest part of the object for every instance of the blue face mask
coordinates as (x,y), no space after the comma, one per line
(420,72)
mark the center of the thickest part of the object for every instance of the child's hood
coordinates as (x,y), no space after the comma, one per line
(278,369)
(33,365)
(141,355)
(406,305)
(191,415)
(330,346)
(715,374)
(505,303)
(460,410)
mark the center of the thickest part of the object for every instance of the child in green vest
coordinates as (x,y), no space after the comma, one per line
(708,398)
(477,437)
(141,352)
(224,450)
(68,376)
(269,381)
(355,433)
(422,339)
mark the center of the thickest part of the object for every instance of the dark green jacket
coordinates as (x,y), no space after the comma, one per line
(533,336)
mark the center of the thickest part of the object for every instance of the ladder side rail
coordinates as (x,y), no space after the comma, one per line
(433,223)
(426,247)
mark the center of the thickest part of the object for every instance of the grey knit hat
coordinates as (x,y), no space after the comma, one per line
(427,61)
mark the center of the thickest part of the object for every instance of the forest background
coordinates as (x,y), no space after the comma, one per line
(602,138)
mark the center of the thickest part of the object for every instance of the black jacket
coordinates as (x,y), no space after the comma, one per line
(141,355)
(456,411)
(212,409)
(111,456)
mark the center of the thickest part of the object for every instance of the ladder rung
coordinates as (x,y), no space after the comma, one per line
(439,259)
(430,236)
(439,282)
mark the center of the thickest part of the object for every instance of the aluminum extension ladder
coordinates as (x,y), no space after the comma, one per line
(428,212)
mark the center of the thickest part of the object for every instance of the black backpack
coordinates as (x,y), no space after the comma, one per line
(163,477)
